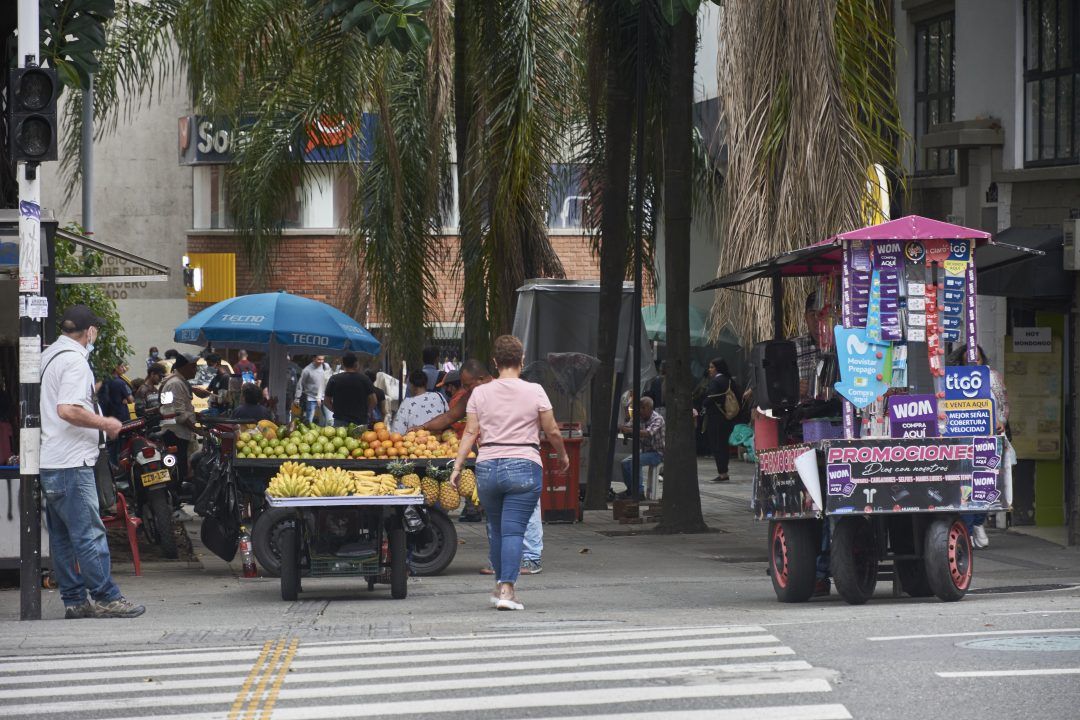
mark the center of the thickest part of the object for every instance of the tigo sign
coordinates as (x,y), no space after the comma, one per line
(967,382)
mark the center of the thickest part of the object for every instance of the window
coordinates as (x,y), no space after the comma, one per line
(934,90)
(567,198)
(1050,82)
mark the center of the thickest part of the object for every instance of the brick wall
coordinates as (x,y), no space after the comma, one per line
(320,267)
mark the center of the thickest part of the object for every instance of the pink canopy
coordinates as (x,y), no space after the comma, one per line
(914,227)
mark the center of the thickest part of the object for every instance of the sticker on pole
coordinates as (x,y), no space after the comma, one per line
(29,247)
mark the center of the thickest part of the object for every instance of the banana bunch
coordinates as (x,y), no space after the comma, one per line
(378,485)
(332,482)
(294,468)
(289,484)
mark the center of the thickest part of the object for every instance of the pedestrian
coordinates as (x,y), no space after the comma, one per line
(251,410)
(114,396)
(657,387)
(152,357)
(652,443)
(244,366)
(71,434)
(350,395)
(718,425)
(147,394)
(378,413)
(311,387)
(976,521)
(421,405)
(506,415)
(179,430)
(431,356)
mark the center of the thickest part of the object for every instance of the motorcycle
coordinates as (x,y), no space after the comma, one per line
(214,490)
(145,473)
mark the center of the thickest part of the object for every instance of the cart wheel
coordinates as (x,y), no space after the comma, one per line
(949,561)
(793,550)
(399,574)
(266,538)
(854,561)
(434,547)
(912,575)
(371,579)
(290,562)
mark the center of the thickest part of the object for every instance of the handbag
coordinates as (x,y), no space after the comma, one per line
(220,531)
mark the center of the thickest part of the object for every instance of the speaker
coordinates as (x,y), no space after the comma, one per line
(775,365)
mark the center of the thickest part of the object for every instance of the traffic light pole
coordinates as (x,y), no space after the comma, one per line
(30,286)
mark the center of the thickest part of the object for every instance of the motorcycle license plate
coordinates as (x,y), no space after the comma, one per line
(155,478)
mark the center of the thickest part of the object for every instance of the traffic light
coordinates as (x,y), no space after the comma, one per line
(31,114)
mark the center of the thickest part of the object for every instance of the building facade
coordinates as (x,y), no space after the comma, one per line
(989,91)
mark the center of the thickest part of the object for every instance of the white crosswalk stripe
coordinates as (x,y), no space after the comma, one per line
(654,673)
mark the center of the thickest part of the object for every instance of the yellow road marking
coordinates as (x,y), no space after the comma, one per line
(256,696)
(256,670)
(283,670)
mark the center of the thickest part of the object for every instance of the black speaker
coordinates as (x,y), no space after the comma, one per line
(775,364)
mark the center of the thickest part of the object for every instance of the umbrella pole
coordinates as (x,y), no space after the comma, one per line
(279,382)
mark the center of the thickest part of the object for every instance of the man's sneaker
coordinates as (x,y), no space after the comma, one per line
(530,567)
(822,587)
(181,515)
(121,607)
(979,538)
(78,612)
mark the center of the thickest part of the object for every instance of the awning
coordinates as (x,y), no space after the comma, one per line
(1024,262)
(147,270)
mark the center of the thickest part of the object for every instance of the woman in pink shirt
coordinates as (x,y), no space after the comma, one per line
(507,415)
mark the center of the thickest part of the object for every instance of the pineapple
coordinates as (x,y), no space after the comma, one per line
(403,471)
(411,481)
(448,496)
(429,486)
(467,483)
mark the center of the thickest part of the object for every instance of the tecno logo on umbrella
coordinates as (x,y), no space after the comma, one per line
(317,340)
(244,319)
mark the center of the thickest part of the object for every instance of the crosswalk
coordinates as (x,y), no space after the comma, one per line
(715,672)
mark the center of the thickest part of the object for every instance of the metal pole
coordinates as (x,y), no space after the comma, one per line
(639,222)
(1073,521)
(88,157)
(30,285)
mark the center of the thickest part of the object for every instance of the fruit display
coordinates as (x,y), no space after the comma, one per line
(305,442)
(300,480)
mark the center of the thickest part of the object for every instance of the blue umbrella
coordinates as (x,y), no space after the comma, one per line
(277,322)
(279,319)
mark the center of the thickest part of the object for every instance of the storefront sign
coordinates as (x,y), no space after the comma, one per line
(778,489)
(968,417)
(913,416)
(862,365)
(909,475)
(1032,340)
(967,382)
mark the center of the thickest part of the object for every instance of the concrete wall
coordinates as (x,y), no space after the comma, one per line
(142,203)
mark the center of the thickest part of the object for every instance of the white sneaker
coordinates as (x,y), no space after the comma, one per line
(979,538)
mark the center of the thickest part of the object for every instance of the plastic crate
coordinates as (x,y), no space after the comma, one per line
(822,429)
(330,566)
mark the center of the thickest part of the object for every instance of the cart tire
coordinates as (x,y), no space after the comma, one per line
(793,550)
(912,576)
(434,547)
(266,538)
(161,517)
(290,563)
(948,557)
(399,573)
(853,560)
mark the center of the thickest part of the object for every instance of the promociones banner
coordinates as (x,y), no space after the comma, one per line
(889,475)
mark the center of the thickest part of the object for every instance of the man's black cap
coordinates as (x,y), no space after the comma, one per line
(79,317)
(180,359)
(451,378)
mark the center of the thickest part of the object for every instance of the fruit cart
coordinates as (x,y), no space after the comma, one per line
(350,536)
(874,456)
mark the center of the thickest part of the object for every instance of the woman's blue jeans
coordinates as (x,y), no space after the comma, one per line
(80,550)
(509,490)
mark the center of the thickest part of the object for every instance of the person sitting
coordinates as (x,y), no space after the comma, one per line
(251,409)
(652,443)
(420,406)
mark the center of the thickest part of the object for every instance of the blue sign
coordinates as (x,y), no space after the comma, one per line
(968,417)
(862,364)
(967,382)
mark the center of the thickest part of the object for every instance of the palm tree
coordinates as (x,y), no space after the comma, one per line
(808,98)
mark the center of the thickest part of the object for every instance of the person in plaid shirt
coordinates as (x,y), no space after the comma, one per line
(652,442)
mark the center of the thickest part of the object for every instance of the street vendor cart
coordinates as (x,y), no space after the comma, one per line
(873,451)
(344,537)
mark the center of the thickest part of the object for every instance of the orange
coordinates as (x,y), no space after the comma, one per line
(379,426)
(383,434)
(395,437)
(368,436)
(369,453)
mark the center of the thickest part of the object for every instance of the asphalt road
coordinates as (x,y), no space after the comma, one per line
(618,625)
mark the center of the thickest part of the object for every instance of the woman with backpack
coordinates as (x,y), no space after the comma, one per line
(722,405)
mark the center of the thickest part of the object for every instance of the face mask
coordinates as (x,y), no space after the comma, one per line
(90,345)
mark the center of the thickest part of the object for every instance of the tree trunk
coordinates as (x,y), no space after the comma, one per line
(682,499)
(474,296)
(615,236)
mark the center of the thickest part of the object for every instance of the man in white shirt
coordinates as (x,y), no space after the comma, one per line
(72,430)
